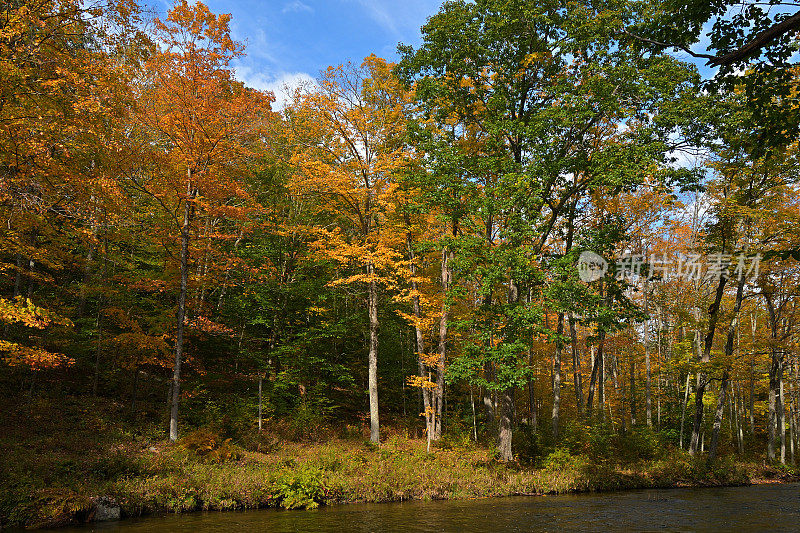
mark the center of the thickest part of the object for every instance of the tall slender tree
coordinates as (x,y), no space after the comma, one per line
(349,151)
(197,121)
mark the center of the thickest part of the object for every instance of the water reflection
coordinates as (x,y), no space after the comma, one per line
(743,509)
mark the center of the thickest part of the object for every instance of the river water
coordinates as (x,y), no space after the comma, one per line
(742,509)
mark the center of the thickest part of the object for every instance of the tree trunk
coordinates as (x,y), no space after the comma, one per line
(740,425)
(733,420)
(753,328)
(601,374)
(577,378)
(557,376)
(505,397)
(702,379)
(775,419)
(683,408)
(474,421)
(489,407)
(796,404)
(18,275)
(729,344)
(598,368)
(793,418)
(592,382)
(419,338)
(374,424)
(504,441)
(446,273)
(560,332)
(773,404)
(686,389)
(782,420)
(648,383)
(489,397)
(596,383)
(632,391)
(32,264)
(723,388)
(619,392)
(659,358)
(181,314)
(532,411)
(260,384)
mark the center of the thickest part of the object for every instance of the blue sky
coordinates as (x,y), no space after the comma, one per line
(289,41)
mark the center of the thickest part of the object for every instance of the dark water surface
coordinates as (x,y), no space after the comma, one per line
(742,509)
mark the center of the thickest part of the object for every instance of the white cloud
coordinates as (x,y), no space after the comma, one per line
(281,85)
(380,14)
(296,6)
(259,46)
(398,18)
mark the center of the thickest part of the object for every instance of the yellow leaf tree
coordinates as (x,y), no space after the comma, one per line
(349,137)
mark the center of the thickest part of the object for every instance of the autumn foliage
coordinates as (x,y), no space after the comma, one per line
(398,246)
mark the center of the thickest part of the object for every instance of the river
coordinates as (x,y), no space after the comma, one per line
(742,509)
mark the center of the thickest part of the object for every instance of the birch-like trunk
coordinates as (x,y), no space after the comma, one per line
(374,423)
(446,273)
(260,384)
(772,421)
(775,417)
(557,376)
(753,328)
(577,377)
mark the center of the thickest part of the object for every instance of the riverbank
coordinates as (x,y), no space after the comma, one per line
(59,479)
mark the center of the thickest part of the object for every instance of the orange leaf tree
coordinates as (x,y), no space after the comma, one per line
(200,124)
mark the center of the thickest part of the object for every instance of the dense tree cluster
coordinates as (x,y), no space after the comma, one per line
(405,239)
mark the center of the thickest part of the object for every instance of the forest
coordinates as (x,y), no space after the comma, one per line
(543,240)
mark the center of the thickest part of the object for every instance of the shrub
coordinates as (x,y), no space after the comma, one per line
(58,506)
(300,489)
(457,435)
(641,442)
(575,437)
(229,416)
(526,444)
(306,421)
(209,445)
(118,464)
(560,459)
(260,441)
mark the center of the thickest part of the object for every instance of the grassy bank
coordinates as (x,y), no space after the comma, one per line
(56,467)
